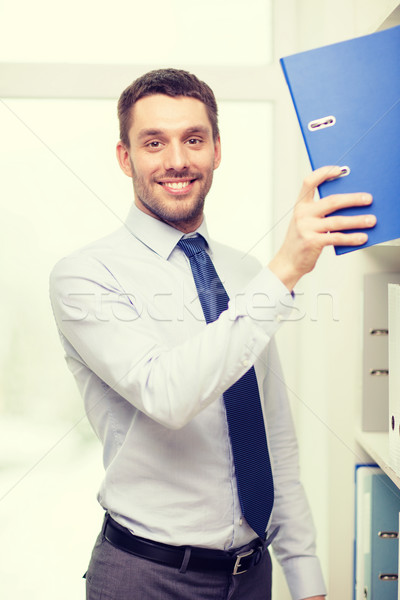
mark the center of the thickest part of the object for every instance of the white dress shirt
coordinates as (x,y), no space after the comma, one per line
(152,374)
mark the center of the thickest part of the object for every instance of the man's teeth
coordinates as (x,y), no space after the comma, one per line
(177,185)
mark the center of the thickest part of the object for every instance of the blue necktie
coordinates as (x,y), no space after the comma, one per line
(242,402)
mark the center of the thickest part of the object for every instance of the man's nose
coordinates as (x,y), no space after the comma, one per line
(176,157)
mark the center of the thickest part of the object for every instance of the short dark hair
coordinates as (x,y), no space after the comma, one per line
(170,82)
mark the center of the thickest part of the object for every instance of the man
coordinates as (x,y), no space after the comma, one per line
(155,370)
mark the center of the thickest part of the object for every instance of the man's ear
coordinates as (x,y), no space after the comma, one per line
(217,152)
(124,159)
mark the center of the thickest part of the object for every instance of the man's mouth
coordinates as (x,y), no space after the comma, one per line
(177,186)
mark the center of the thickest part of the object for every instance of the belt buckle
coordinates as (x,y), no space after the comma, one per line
(237,563)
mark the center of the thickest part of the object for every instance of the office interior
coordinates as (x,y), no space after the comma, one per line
(63,66)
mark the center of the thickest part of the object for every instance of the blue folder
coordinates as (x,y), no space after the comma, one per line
(381,549)
(347,101)
(363,472)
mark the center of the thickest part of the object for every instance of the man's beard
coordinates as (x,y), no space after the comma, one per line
(174,211)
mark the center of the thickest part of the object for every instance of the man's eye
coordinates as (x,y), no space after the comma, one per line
(154,145)
(194,141)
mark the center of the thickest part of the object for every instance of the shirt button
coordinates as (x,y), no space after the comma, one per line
(240,521)
(246,363)
(279,318)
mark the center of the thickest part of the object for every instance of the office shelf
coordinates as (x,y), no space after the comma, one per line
(376,445)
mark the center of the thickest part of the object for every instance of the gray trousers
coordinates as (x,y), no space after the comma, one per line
(114,574)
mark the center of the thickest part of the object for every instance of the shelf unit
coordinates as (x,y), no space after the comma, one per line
(373,432)
(376,445)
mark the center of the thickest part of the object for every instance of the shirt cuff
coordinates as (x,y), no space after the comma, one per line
(304,577)
(265,300)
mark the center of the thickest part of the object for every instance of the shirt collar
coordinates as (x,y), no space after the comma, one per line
(157,235)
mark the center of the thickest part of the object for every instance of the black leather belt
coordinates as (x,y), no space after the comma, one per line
(182,557)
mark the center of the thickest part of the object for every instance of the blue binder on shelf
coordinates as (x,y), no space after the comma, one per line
(377,525)
(347,100)
(361,522)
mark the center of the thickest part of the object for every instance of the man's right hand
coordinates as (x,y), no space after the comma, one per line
(310,229)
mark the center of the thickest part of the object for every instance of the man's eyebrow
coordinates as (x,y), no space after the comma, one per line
(149,133)
(200,129)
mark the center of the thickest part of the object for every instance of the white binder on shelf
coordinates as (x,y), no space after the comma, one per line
(375,407)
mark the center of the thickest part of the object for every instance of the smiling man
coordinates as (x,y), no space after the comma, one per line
(179,371)
(171,154)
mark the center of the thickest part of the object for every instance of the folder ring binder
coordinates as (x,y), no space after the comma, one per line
(388,535)
(388,577)
(344,172)
(379,332)
(321,123)
(379,372)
